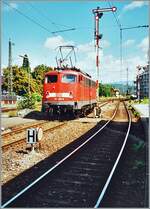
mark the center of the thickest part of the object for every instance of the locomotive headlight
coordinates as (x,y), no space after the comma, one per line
(70,94)
(47,92)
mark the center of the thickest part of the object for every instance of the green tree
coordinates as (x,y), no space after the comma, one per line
(20,81)
(38,76)
(6,74)
(105,90)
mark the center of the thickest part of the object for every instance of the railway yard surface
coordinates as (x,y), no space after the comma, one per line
(79,181)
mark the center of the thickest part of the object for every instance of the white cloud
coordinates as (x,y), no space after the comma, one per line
(111,68)
(88,47)
(135,4)
(128,43)
(85,48)
(53,42)
(105,44)
(144,45)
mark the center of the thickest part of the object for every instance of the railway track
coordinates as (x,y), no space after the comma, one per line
(81,178)
(8,142)
(18,130)
(21,141)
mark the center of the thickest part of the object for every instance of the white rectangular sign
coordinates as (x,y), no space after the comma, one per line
(31,135)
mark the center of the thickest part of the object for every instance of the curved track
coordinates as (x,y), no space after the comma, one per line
(78,179)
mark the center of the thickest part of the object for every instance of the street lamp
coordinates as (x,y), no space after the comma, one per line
(138,81)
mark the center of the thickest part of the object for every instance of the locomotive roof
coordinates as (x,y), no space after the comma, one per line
(65,70)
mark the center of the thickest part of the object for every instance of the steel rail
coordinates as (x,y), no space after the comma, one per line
(18,130)
(61,161)
(115,164)
(5,146)
(103,104)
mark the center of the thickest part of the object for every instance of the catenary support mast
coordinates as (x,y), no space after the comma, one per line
(10,78)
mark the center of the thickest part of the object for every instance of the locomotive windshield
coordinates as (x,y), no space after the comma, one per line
(51,79)
(69,78)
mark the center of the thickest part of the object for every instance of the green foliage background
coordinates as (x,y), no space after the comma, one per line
(21,79)
(105,90)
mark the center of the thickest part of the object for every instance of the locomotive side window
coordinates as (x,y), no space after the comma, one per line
(93,83)
(51,79)
(87,82)
(69,78)
(81,79)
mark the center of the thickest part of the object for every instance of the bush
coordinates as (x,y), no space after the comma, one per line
(27,102)
(37,97)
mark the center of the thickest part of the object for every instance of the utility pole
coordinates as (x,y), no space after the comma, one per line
(98,13)
(127,82)
(138,82)
(10,78)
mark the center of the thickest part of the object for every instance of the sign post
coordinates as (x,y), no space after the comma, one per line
(33,136)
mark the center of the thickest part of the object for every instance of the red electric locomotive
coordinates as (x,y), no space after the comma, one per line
(68,90)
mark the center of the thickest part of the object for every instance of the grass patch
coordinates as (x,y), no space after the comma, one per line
(12,113)
(142,101)
(138,164)
(134,112)
(138,146)
(38,106)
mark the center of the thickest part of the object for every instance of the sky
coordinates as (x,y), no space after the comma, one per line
(30,26)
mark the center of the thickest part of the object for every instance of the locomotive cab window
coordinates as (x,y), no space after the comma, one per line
(80,78)
(69,78)
(51,79)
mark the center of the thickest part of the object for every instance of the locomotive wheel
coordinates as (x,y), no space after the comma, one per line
(76,113)
(50,113)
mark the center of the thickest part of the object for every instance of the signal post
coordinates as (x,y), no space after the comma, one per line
(98,13)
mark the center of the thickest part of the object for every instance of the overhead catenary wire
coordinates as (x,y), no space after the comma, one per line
(133,27)
(39,11)
(46,17)
(116,19)
(120,28)
(27,17)
(34,21)
(59,31)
